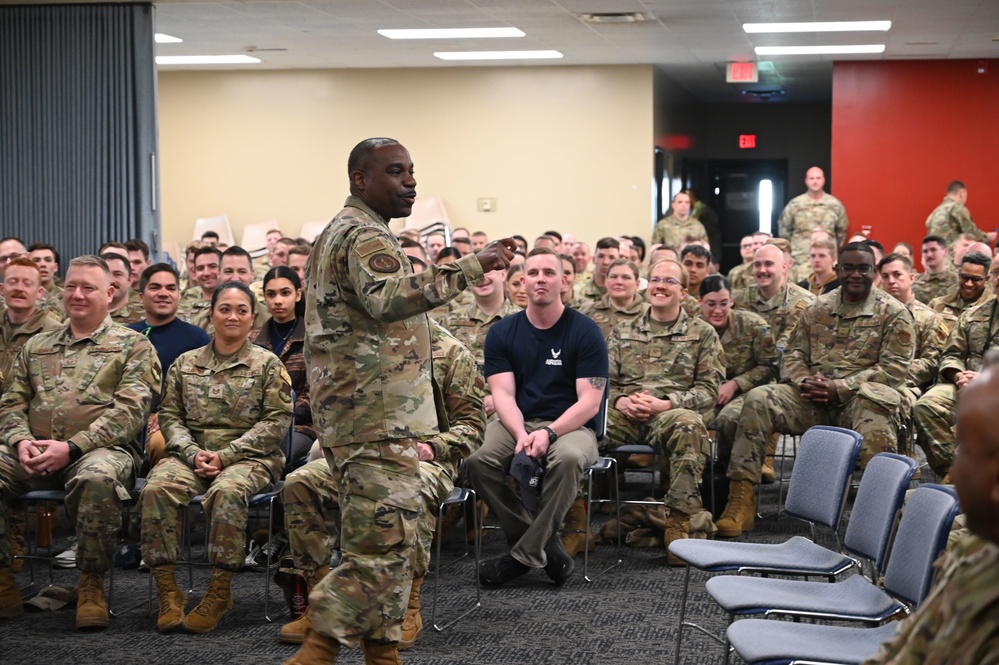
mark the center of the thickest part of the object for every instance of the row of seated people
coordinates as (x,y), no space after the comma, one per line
(623,404)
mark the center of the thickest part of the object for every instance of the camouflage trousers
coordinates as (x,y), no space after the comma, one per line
(782,408)
(366,596)
(169,489)
(488,466)
(679,435)
(725,421)
(96,486)
(436,483)
(934,416)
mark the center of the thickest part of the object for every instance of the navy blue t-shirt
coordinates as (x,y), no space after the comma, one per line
(546,363)
(170,341)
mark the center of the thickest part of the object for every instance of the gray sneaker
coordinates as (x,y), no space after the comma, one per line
(67,558)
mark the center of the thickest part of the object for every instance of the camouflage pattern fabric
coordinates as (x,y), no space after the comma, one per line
(470,325)
(950,219)
(51,302)
(800,217)
(929,286)
(783,311)
(676,233)
(191,303)
(131,312)
(12,337)
(954,305)
(607,315)
(741,276)
(958,622)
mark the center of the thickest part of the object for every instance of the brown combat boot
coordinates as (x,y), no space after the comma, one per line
(379,653)
(740,512)
(16,528)
(172,599)
(10,595)
(677,528)
(91,607)
(767,474)
(412,623)
(216,604)
(575,521)
(483,509)
(641,460)
(315,650)
(296,631)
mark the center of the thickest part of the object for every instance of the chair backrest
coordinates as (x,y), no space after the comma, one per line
(825,462)
(311,230)
(922,535)
(219,224)
(879,498)
(255,235)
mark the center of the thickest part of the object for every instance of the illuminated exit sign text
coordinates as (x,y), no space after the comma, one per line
(742,72)
(747,141)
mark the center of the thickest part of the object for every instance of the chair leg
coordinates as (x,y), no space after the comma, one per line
(589,513)
(476,551)
(683,615)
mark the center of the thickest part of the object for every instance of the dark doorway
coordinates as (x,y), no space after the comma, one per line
(734,191)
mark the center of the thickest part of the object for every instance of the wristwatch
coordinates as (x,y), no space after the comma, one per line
(552,436)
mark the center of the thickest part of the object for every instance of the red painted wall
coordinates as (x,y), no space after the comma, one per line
(902,130)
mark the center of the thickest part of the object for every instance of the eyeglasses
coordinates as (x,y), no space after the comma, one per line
(974,279)
(7,258)
(664,280)
(863,268)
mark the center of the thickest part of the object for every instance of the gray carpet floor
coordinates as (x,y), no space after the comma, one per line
(627,617)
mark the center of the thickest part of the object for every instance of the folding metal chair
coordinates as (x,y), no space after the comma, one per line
(464,497)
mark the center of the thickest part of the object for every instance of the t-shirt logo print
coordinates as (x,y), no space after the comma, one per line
(554,360)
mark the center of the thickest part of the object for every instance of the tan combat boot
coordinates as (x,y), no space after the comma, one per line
(412,623)
(10,595)
(91,607)
(216,604)
(677,528)
(379,653)
(16,528)
(641,460)
(295,631)
(172,599)
(315,650)
(575,521)
(483,509)
(740,512)
(768,474)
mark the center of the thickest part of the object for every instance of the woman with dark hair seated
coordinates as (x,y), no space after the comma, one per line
(284,335)
(225,411)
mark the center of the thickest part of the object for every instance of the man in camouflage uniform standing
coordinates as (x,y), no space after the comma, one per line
(938,276)
(679,227)
(369,360)
(951,218)
(664,373)
(71,414)
(808,212)
(976,332)
(849,347)
(310,497)
(958,622)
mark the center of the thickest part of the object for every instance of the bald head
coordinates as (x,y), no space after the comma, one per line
(975,470)
(979,247)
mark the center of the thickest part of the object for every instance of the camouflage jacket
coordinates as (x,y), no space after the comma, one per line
(587,291)
(12,337)
(51,301)
(749,353)
(958,622)
(976,332)
(681,363)
(802,215)
(931,335)
(607,315)
(367,347)
(95,392)
(238,406)
(950,219)
(131,312)
(782,312)
(741,276)
(955,305)
(929,286)
(463,391)
(868,342)
(293,359)
(191,303)
(673,232)
(470,326)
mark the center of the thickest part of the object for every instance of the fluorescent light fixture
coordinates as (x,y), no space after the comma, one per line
(206,60)
(766,205)
(166,39)
(497,55)
(819,26)
(820,50)
(452,33)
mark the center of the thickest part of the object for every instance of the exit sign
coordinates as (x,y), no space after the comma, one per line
(742,72)
(747,141)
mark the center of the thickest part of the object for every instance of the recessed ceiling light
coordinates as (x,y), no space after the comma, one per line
(497,55)
(819,26)
(166,39)
(452,33)
(206,60)
(820,50)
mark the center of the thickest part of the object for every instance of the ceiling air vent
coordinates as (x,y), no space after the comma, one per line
(613,17)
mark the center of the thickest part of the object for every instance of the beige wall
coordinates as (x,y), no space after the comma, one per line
(563,147)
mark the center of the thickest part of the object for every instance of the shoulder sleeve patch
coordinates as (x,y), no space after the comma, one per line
(369,247)
(385,263)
